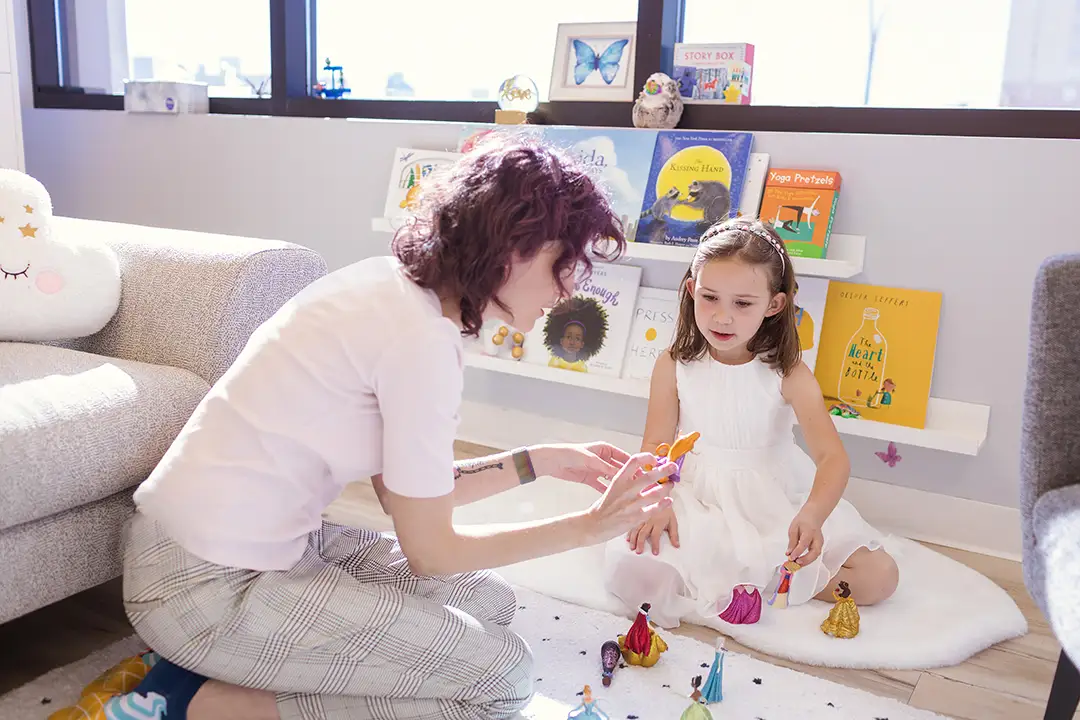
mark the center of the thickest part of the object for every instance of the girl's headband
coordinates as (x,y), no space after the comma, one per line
(758,234)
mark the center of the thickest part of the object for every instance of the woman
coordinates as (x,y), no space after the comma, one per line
(230,572)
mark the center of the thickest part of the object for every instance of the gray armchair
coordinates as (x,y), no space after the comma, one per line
(1050,469)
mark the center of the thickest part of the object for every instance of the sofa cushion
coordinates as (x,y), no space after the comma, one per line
(77,427)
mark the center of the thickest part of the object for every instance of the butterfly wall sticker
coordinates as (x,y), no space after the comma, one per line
(890,456)
(607,62)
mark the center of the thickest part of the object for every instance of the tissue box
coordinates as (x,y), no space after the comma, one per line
(166,96)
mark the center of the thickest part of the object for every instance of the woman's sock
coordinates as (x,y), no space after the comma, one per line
(165,692)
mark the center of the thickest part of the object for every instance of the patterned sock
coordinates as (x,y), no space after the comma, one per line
(164,693)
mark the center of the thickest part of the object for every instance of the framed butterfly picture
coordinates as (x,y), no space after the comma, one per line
(594,61)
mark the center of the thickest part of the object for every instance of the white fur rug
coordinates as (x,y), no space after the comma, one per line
(942,613)
(566,641)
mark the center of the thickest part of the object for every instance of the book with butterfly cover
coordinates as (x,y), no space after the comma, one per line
(876,356)
(696,180)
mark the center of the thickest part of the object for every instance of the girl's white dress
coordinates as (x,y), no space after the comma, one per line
(739,491)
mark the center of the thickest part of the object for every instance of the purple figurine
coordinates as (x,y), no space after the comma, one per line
(609,658)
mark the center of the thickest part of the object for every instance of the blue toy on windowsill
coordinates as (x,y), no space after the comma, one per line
(337,83)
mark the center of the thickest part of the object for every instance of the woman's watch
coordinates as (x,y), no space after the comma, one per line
(523,465)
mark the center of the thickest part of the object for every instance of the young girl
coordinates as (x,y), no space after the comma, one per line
(749,499)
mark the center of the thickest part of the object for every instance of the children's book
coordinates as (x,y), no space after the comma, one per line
(800,205)
(652,331)
(696,180)
(588,331)
(876,356)
(411,167)
(810,296)
(718,73)
(618,159)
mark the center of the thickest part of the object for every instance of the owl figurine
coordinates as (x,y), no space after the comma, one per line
(659,105)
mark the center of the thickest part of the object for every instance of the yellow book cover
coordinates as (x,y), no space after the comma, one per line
(876,355)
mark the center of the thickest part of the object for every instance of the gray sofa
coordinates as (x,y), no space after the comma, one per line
(1050,469)
(83,422)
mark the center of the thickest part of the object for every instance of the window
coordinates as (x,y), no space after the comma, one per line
(989,68)
(902,53)
(447,50)
(223,44)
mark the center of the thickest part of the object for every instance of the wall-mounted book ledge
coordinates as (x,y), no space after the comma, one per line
(845,256)
(951,426)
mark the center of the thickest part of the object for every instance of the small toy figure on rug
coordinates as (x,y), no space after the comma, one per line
(745,606)
(697,709)
(779,597)
(676,453)
(659,104)
(99,700)
(713,689)
(642,645)
(588,709)
(609,659)
(574,331)
(843,620)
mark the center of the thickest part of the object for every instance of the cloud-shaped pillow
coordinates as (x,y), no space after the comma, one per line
(51,288)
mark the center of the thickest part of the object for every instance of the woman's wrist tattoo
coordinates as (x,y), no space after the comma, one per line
(476,465)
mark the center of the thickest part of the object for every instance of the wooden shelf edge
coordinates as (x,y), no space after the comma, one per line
(951,425)
(848,253)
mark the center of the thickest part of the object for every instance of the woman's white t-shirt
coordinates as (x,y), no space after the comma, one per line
(357,375)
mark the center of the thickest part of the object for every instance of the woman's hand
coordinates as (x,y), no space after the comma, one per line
(584,463)
(653,529)
(632,498)
(804,536)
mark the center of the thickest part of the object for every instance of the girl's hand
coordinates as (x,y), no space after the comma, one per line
(632,498)
(652,530)
(804,536)
(584,463)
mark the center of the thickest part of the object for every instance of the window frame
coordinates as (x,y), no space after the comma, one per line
(294,69)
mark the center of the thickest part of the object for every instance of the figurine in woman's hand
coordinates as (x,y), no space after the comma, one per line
(659,105)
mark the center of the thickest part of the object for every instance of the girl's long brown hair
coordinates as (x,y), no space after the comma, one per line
(746,240)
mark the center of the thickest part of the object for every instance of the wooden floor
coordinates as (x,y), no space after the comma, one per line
(1008,682)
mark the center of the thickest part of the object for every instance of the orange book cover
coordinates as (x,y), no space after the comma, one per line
(799,205)
(876,355)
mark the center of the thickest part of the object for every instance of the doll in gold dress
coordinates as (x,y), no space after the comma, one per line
(843,620)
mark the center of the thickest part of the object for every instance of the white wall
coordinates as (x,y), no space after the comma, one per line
(970,217)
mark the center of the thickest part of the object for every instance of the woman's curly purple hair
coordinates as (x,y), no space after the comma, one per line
(511,195)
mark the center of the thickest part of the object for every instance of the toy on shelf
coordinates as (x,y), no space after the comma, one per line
(697,709)
(676,453)
(588,709)
(843,620)
(659,104)
(609,658)
(337,87)
(642,645)
(499,340)
(713,689)
(745,606)
(780,595)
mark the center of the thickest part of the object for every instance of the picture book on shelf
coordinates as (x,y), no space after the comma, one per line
(810,296)
(618,159)
(800,205)
(696,179)
(411,167)
(876,356)
(652,331)
(714,72)
(588,331)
